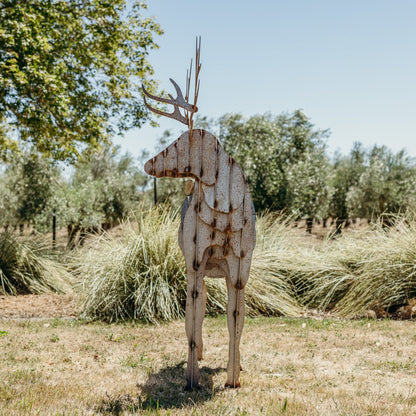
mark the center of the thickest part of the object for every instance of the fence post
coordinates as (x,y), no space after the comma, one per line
(155,190)
(54,229)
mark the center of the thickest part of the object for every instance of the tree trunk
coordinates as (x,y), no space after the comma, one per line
(82,236)
(72,233)
(338,226)
(309,225)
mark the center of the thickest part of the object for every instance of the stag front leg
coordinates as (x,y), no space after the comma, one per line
(194,316)
(235,323)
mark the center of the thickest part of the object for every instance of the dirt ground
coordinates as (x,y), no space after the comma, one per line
(38,306)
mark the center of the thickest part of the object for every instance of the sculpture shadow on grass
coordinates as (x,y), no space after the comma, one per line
(165,389)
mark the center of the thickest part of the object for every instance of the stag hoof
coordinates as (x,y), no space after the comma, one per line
(232,385)
(190,387)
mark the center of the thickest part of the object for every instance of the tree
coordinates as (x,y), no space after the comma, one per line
(8,202)
(346,174)
(387,185)
(26,188)
(100,193)
(267,147)
(70,72)
(308,191)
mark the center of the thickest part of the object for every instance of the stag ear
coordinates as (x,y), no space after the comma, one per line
(226,192)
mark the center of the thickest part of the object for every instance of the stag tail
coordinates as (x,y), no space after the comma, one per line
(180,102)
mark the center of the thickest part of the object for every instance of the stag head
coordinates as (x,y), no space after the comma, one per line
(188,156)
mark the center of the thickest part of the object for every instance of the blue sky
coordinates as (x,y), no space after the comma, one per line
(350,65)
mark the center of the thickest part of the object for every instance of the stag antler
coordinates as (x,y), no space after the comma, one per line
(179,101)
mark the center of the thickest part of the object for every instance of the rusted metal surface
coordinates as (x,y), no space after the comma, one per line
(217,232)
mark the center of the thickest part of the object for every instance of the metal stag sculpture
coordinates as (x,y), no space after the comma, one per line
(217,234)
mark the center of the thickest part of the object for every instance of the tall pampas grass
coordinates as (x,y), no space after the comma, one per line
(372,269)
(140,276)
(26,267)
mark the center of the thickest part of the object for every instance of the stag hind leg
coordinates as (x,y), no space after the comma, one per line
(239,269)
(235,323)
(204,307)
(194,315)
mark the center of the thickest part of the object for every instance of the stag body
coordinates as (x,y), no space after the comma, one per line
(216,236)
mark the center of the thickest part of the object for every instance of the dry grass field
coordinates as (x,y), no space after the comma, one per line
(53,363)
(305,366)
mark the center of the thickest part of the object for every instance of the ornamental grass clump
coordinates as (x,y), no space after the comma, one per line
(26,267)
(373,269)
(386,273)
(143,275)
(324,275)
(269,290)
(140,276)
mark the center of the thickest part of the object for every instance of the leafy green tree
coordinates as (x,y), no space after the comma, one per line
(8,204)
(70,72)
(268,147)
(387,185)
(26,188)
(108,182)
(8,146)
(308,190)
(346,174)
(100,193)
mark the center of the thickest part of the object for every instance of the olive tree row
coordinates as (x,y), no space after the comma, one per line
(94,195)
(286,163)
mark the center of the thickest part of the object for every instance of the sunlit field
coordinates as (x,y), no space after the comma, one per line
(300,123)
(296,367)
(329,326)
